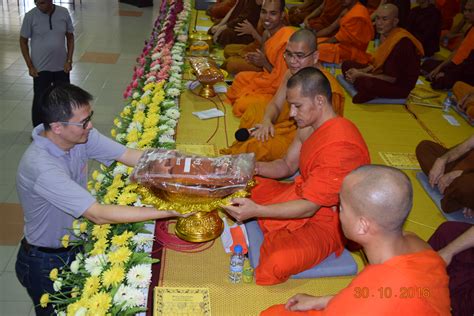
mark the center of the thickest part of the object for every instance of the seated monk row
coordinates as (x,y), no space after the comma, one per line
(297,13)
(384,77)
(299,219)
(459,66)
(275,129)
(323,16)
(404,276)
(250,86)
(353,32)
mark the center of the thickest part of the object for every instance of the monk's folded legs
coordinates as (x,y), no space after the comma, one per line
(284,253)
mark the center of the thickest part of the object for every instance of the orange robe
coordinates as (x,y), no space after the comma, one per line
(465,48)
(354,34)
(460,90)
(331,11)
(219,10)
(285,128)
(253,87)
(291,246)
(410,284)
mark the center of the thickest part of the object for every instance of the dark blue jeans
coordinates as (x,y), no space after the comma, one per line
(32,270)
(44,80)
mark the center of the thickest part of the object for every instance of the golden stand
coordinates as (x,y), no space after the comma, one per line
(207,90)
(200,227)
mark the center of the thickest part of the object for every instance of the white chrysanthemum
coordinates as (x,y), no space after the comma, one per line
(168,104)
(120,138)
(138,202)
(176,68)
(143,240)
(57,285)
(171,123)
(82,311)
(61,313)
(132,145)
(179,63)
(129,297)
(166,130)
(150,79)
(100,177)
(156,56)
(173,113)
(155,67)
(134,125)
(93,192)
(139,275)
(94,265)
(147,92)
(141,106)
(120,169)
(173,92)
(136,95)
(75,265)
(166,139)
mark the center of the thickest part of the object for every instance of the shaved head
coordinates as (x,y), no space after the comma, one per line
(390,9)
(383,194)
(304,35)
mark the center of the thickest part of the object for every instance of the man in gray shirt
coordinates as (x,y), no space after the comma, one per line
(49,30)
(51,186)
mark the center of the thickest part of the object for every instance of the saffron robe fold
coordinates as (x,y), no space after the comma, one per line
(285,128)
(460,90)
(331,11)
(249,86)
(291,246)
(410,284)
(354,34)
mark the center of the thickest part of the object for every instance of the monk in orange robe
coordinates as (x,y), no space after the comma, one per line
(404,277)
(459,66)
(324,15)
(448,9)
(297,13)
(354,32)
(299,224)
(383,77)
(250,87)
(276,129)
(219,10)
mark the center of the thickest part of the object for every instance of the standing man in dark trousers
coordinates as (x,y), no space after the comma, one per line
(49,29)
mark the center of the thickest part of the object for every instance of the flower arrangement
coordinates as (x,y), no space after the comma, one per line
(111,274)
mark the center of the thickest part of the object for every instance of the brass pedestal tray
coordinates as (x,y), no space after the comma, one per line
(202,226)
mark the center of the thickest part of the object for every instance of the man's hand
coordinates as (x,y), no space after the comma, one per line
(352,74)
(257,58)
(216,31)
(305,302)
(242,209)
(436,172)
(446,255)
(435,73)
(244,28)
(447,179)
(263,131)
(176,214)
(67,67)
(33,72)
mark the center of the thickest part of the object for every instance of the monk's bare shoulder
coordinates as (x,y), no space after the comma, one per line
(413,243)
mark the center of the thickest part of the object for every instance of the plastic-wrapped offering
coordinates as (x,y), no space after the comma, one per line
(206,70)
(174,172)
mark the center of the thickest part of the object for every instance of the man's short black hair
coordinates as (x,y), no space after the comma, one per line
(58,102)
(312,82)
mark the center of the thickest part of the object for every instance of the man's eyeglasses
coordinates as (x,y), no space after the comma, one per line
(299,56)
(82,123)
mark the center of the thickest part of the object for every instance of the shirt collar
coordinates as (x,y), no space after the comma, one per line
(46,143)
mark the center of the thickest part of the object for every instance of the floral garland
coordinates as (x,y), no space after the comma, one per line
(113,271)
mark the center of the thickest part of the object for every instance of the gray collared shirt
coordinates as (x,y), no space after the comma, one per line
(52,184)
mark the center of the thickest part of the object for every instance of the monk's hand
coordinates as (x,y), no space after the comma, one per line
(241,209)
(257,58)
(263,131)
(244,28)
(436,171)
(305,302)
(447,179)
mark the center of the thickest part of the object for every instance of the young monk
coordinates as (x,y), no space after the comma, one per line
(383,77)
(275,129)
(354,32)
(405,276)
(299,225)
(250,87)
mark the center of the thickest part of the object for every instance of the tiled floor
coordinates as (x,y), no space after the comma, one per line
(105,28)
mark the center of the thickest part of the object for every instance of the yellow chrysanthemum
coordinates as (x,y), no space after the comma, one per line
(100,246)
(120,256)
(122,239)
(145,100)
(113,276)
(65,241)
(139,117)
(100,231)
(73,308)
(125,112)
(127,198)
(99,304)
(91,286)
(83,227)
(95,174)
(97,186)
(44,300)
(90,185)
(75,292)
(148,86)
(130,188)
(53,275)
(113,132)
(132,136)
(111,195)
(117,122)
(134,103)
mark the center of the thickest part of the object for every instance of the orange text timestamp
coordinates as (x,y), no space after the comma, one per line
(390,292)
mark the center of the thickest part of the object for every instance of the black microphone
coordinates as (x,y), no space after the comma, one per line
(242,134)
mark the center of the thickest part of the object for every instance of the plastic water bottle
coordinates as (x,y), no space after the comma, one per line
(448,102)
(236,265)
(445,41)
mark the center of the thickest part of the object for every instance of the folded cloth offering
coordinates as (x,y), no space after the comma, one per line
(174,172)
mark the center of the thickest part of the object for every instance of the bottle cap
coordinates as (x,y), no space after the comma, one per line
(238,248)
